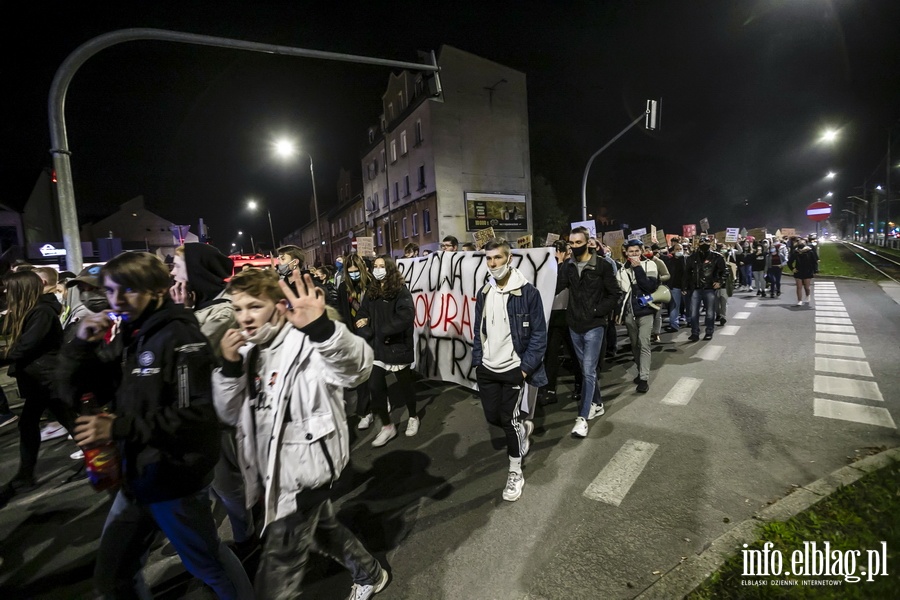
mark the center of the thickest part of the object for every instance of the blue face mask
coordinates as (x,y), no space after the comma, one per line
(338,265)
(354,275)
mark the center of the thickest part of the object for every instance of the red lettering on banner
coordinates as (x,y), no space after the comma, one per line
(448,316)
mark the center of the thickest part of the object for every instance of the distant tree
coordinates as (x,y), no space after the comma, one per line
(548,217)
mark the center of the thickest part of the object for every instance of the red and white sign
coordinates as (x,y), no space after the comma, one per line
(818,211)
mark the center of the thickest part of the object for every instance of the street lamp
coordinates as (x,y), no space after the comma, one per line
(829,135)
(831,175)
(253,205)
(252,243)
(286,149)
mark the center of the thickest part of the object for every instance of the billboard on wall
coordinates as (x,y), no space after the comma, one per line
(503,212)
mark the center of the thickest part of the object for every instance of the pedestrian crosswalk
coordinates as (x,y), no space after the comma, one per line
(841,368)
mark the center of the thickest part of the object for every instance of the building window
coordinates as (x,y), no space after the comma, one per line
(396,232)
(419,138)
(387,197)
(403,148)
(404,229)
(396,191)
(383,162)
(393,151)
(390,116)
(400,100)
(421,177)
(415,224)
(419,86)
(373,206)
(380,236)
(426,220)
(406,185)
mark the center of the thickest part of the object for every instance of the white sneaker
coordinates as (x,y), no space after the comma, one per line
(581,428)
(387,433)
(53,430)
(412,428)
(806,302)
(597,410)
(77,455)
(364,592)
(366,421)
(799,303)
(514,484)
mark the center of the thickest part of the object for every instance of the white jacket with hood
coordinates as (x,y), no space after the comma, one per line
(310,444)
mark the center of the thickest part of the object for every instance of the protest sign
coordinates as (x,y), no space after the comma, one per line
(590,225)
(731,235)
(483,236)
(551,238)
(365,246)
(653,237)
(688,231)
(524,241)
(444,286)
(637,233)
(614,239)
(704,224)
(788,231)
(647,240)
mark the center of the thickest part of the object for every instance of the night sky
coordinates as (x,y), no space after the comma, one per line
(747,88)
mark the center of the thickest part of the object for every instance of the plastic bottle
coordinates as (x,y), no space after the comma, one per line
(101,461)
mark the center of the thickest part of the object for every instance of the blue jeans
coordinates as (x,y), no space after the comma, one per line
(588,347)
(709,302)
(747,275)
(188,523)
(675,308)
(775,276)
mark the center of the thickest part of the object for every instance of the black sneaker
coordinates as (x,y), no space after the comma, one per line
(707,337)
(546,397)
(694,338)
(643,386)
(576,392)
(722,321)
(637,380)
(654,338)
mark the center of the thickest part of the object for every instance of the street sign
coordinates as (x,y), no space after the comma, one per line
(818,211)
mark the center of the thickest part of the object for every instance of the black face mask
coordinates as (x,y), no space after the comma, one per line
(94,301)
(578,251)
(704,248)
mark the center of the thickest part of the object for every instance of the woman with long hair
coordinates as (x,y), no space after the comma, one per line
(386,319)
(351,292)
(33,335)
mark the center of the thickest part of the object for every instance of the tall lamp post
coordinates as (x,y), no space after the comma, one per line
(287,149)
(253,205)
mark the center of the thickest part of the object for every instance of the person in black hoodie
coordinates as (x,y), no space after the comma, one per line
(164,423)
(34,336)
(385,319)
(199,272)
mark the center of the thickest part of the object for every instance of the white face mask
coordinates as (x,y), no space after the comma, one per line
(59,297)
(265,333)
(379,273)
(679,254)
(500,272)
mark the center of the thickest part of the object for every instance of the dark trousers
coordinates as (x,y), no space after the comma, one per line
(228,488)
(288,542)
(558,339)
(379,390)
(501,398)
(188,524)
(362,399)
(30,427)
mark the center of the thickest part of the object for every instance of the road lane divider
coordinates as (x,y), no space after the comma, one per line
(682,392)
(613,483)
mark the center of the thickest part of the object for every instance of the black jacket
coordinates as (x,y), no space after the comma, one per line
(676,266)
(703,269)
(166,426)
(34,356)
(593,295)
(390,327)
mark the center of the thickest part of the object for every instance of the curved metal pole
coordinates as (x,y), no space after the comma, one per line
(588,167)
(57,100)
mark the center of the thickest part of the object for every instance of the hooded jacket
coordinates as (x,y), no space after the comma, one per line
(640,280)
(390,327)
(33,358)
(207,270)
(310,440)
(165,425)
(526,322)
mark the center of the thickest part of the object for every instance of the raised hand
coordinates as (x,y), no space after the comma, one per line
(307,305)
(231,342)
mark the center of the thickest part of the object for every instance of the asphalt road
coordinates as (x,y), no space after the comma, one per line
(782,396)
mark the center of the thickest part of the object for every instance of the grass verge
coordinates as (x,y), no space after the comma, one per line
(835,260)
(864,515)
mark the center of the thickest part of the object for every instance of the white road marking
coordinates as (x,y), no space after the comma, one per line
(830,303)
(834,328)
(728,330)
(751,304)
(845,367)
(612,483)
(840,350)
(682,392)
(842,338)
(831,313)
(741,315)
(833,320)
(842,386)
(710,352)
(858,413)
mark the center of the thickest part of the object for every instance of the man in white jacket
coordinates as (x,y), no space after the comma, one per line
(281,385)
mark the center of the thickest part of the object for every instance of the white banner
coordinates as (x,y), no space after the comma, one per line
(444,287)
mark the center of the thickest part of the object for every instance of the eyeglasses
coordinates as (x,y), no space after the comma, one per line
(446,245)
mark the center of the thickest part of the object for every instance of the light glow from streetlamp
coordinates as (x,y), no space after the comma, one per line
(285,148)
(829,135)
(829,194)
(830,175)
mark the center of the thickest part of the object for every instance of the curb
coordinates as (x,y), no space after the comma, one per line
(687,576)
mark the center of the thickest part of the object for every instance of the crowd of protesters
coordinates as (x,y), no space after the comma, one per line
(242,389)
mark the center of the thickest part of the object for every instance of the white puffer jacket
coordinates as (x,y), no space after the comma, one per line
(312,448)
